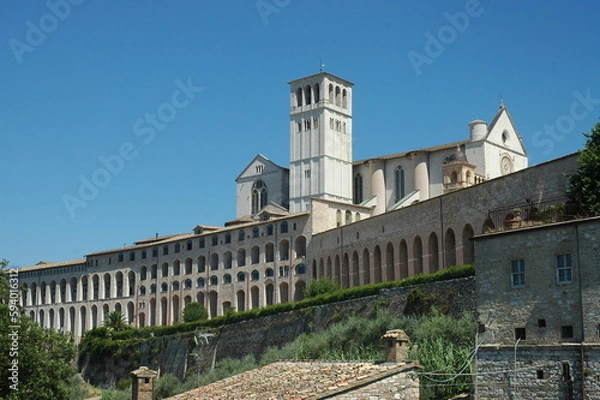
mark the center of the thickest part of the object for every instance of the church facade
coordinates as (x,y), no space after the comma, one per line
(325,215)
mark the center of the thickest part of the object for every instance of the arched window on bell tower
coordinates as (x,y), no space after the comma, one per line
(399,184)
(260,196)
(358,189)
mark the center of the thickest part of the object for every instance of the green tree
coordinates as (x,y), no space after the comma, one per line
(116,321)
(38,361)
(321,286)
(195,312)
(584,185)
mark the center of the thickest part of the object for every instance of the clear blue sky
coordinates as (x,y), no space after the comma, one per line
(79,82)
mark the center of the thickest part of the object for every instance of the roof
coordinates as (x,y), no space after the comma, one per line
(447,146)
(296,380)
(48,264)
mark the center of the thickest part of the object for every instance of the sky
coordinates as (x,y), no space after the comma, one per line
(123,120)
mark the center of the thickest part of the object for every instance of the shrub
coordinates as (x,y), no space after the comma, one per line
(321,286)
(195,312)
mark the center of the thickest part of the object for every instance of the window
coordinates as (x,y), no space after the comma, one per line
(564,272)
(214,281)
(155,252)
(132,256)
(202,243)
(241,277)
(177,247)
(315,123)
(269,230)
(540,374)
(300,269)
(358,189)
(269,272)
(283,228)
(566,332)
(307,174)
(520,334)
(241,236)
(164,287)
(228,238)
(165,250)
(399,183)
(255,232)
(226,278)
(541,323)
(120,257)
(144,254)
(255,275)
(517,272)
(200,282)
(260,196)
(215,240)
(188,245)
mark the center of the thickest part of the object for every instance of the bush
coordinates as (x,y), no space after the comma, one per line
(195,312)
(321,286)
(166,386)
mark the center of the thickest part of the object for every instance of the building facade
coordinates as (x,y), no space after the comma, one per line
(537,297)
(325,216)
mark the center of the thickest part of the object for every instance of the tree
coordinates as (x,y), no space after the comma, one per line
(584,185)
(195,312)
(116,321)
(321,286)
(37,361)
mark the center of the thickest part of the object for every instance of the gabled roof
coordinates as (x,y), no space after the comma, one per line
(447,146)
(270,166)
(48,264)
(297,380)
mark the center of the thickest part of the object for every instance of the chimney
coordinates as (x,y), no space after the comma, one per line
(395,346)
(142,386)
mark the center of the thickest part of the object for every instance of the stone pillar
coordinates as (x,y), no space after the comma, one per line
(142,385)
(396,346)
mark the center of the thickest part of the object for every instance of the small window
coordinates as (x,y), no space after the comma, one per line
(284,227)
(200,282)
(228,238)
(214,281)
(566,332)
(255,232)
(202,243)
(226,278)
(255,275)
(269,230)
(155,252)
(517,270)
(177,248)
(541,323)
(165,250)
(164,287)
(520,334)
(241,236)
(132,256)
(564,272)
(188,245)
(143,254)
(241,277)
(540,374)
(120,257)
(215,240)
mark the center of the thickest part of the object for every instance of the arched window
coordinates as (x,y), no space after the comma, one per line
(176,285)
(316,90)
(348,217)
(260,196)
(188,245)
(165,250)
(226,278)
(358,189)
(299,97)
(344,98)
(255,275)
(331,100)
(300,269)
(177,247)
(142,290)
(283,227)
(241,236)
(269,272)
(307,95)
(164,287)
(255,232)
(338,218)
(188,284)
(200,282)
(241,276)
(153,288)
(399,184)
(214,281)
(338,97)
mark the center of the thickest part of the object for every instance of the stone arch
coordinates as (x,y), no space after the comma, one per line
(355,272)
(240,297)
(390,272)
(346,271)
(299,290)
(434,259)
(255,296)
(417,255)
(337,270)
(377,265)
(284,292)
(468,245)
(450,248)
(270,294)
(300,246)
(366,267)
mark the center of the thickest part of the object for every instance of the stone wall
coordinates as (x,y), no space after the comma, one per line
(173,354)
(540,372)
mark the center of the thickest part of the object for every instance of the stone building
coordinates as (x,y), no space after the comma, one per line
(537,297)
(325,216)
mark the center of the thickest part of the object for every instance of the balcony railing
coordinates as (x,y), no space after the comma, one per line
(530,213)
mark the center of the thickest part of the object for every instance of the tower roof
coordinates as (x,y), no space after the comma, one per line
(321,74)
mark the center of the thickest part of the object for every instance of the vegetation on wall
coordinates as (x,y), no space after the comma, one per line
(194,312)
(584,185)
(35,362)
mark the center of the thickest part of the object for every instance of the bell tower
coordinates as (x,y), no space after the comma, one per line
(320,140)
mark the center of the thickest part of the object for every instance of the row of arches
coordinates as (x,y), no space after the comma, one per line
(394,261)
(308,95)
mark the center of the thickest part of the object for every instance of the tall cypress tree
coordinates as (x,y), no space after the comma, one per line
(584,185)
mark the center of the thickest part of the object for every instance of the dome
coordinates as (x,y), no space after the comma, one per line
(457,156)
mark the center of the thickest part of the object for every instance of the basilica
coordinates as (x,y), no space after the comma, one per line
(324,215)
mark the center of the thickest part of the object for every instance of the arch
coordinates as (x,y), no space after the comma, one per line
(94,316)
(164,312)
(119,283)
(176,267)
(153,288)
(255,255)
(51,318)
(345,281)
(241,276)
(152,321)
(316,91)
(214,261)
(143,273)
(241,257)
(132,283)
(270,294)
(355,273)
(142,290)
(214,280)
(62,291)
(240,300)
(403,259)
(104,316)
(284,249)
(449,248)
(153,271)
(254,275)
(377,268)
(366,265)
(200,298)
(338,218)
(399,184)
(164,287)
(83,319)
(107,286)
(213,299)
(417,255)
(337,270)
(226,279)
(330,94)
(299,97)
(188,266)
(338,96)
(269,272)
(227,260)
(284,292)
(71,323)
(24,295)
(42,320)
(269,252)
(34,293)
(96,287)
(434,259)
(260,196)
(61,320)
(164,270)
(344,98)
(488,226)
(321,274)
(255,297)
(299,269)
(84,288)
(348,217)
(307,95)
(329,269)
(176,307)
(187,300)
(176,285)
(188,284)
(468,245)
(299,288)
(390,272)
(130,313)
(142,319)
(300,246)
